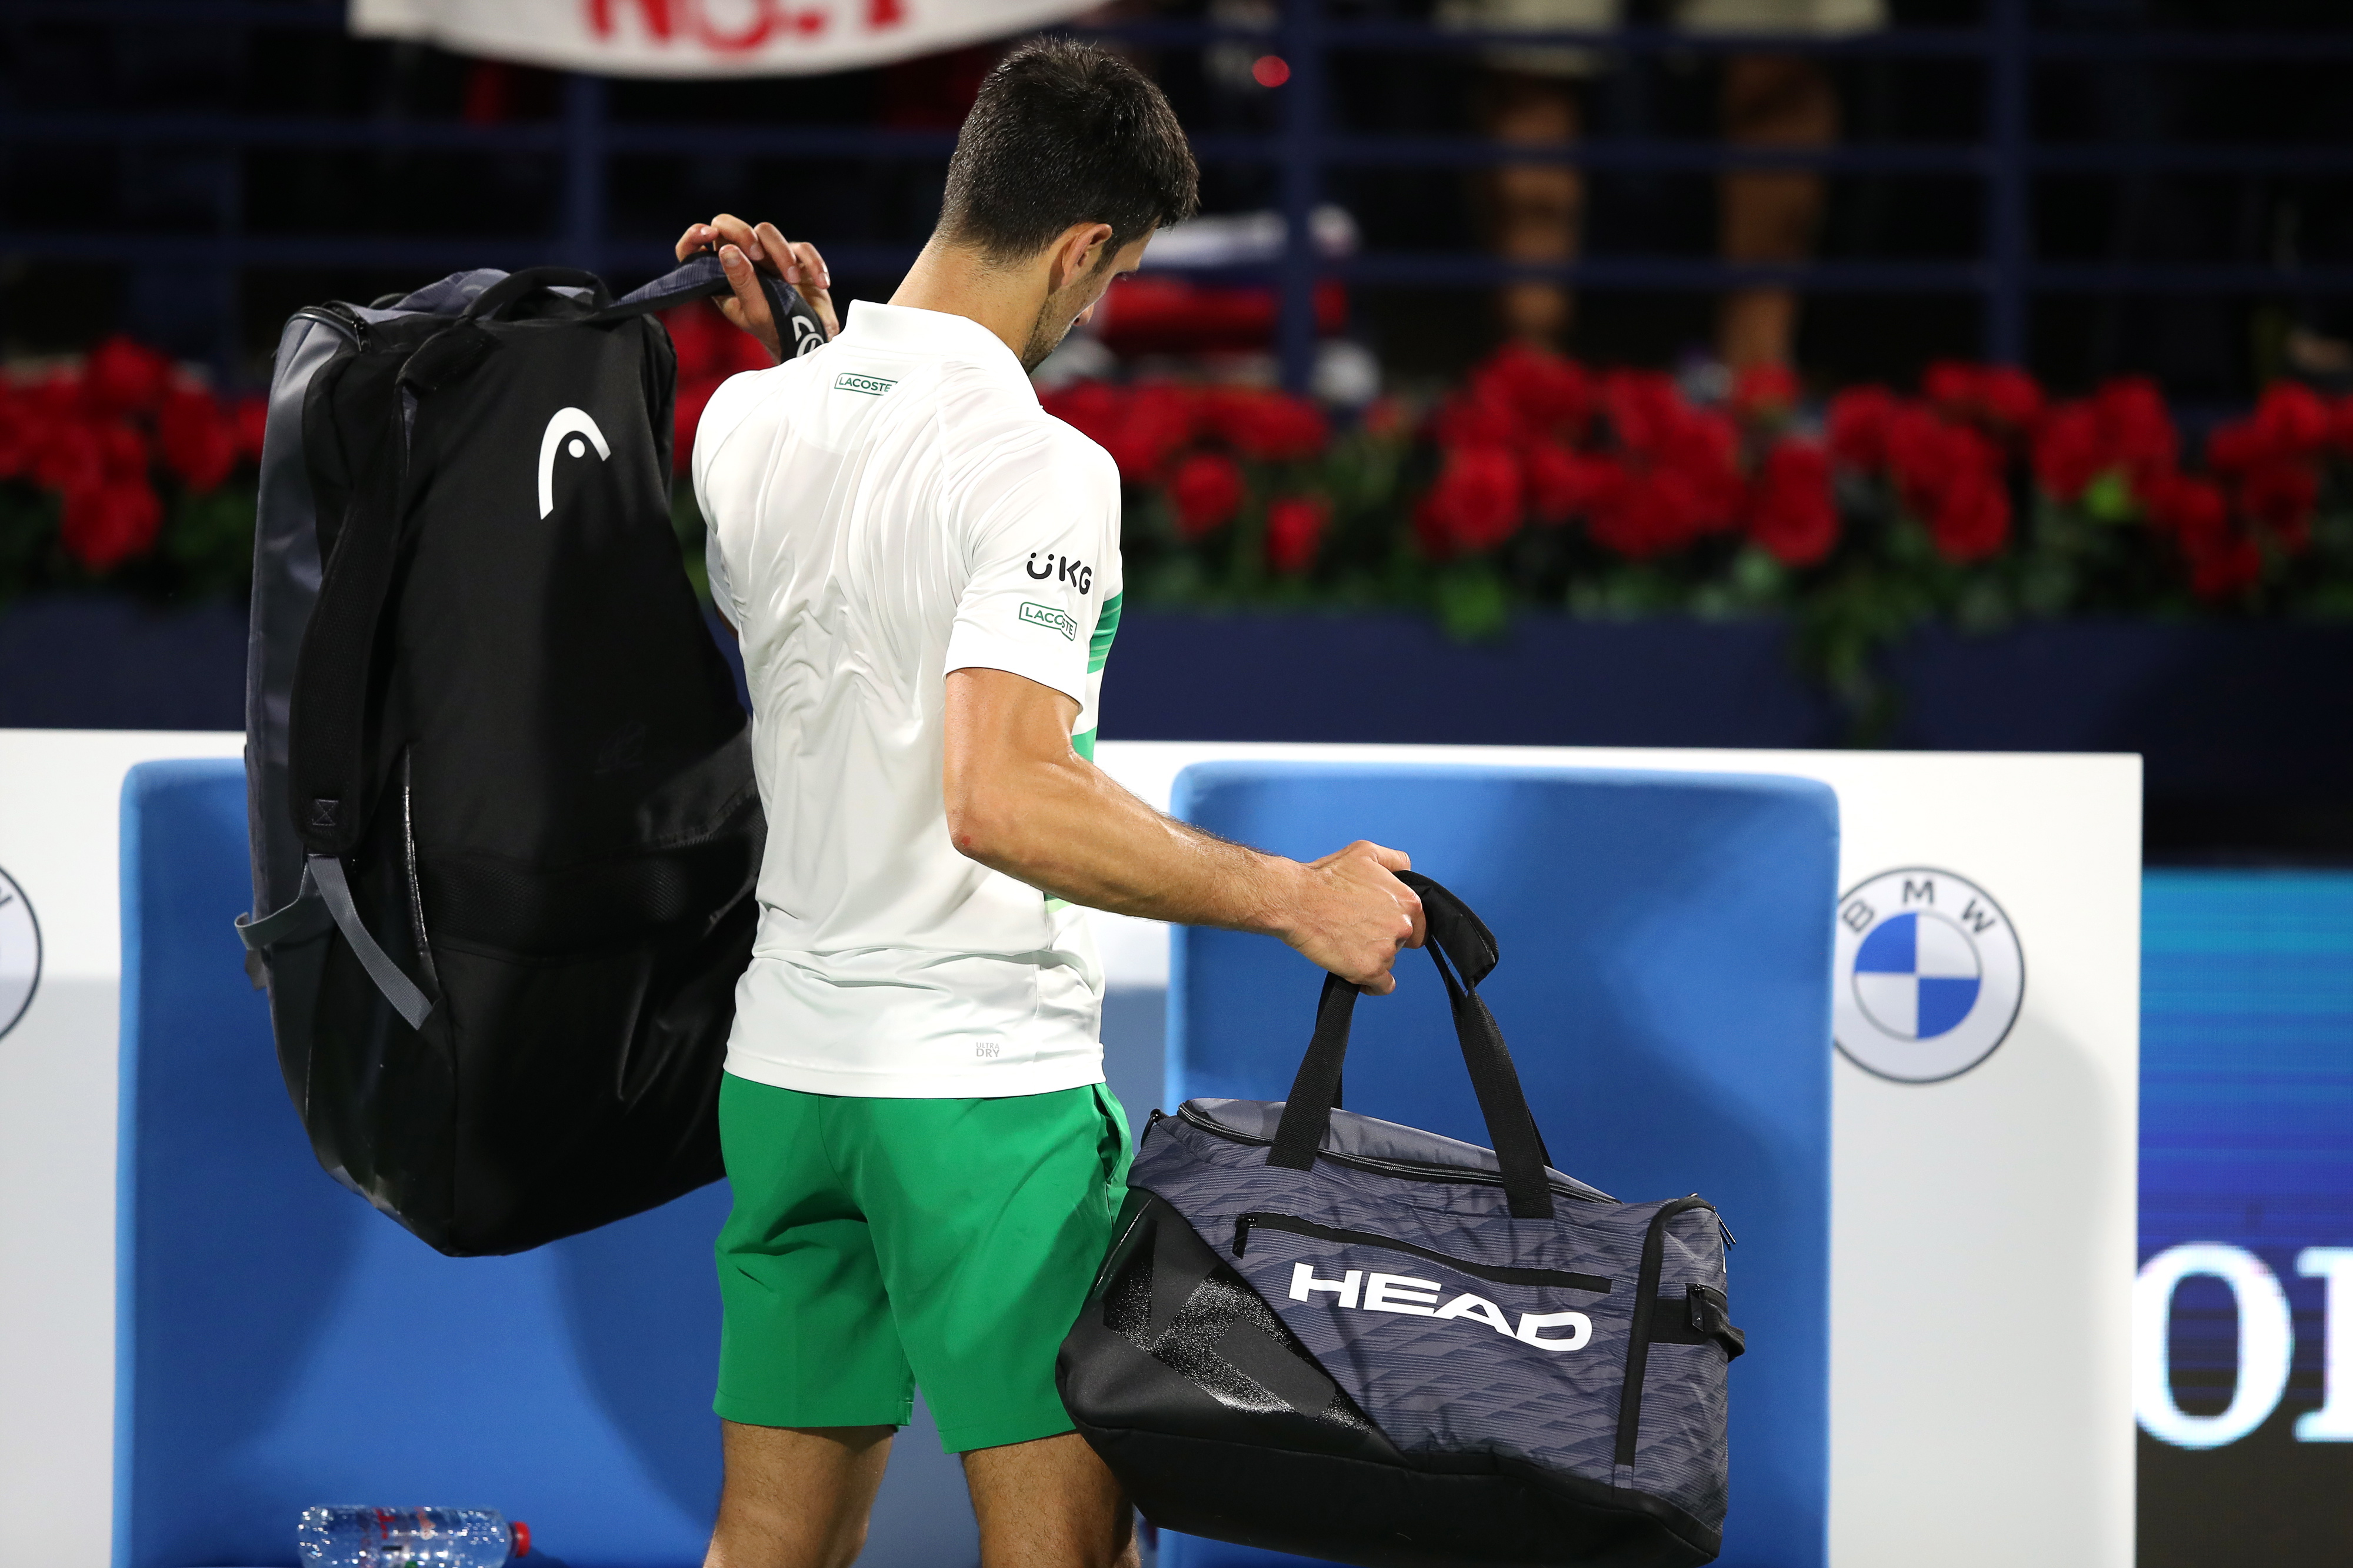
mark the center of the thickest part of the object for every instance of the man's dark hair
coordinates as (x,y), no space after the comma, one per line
(1065,133)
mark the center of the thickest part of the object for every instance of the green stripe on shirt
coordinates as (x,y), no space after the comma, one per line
(1106,628)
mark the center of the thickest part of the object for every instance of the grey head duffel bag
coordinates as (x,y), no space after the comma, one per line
(1322,1333)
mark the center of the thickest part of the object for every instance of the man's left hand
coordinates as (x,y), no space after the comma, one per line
(744,246)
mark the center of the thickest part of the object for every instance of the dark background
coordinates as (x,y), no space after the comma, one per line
(63,66)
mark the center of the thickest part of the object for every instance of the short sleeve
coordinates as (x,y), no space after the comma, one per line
(1041,559)
(721,484)
(722,588)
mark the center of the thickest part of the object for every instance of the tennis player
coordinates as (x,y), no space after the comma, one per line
(922,567)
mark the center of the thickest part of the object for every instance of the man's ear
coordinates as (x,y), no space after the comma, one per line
(1082,248)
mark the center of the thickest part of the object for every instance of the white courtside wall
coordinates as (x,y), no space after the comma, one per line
(60,816)
(1983,1238)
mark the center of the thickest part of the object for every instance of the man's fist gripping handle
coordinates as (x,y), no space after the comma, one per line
(1349,913)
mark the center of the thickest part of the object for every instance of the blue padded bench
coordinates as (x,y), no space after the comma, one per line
(281,1344)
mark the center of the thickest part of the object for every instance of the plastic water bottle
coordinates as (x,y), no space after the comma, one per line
(347,1537)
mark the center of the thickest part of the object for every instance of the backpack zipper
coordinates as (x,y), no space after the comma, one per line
(1562,1278)
(1409,1170)
(339,316)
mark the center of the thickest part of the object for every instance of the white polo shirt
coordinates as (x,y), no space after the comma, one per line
(889,508)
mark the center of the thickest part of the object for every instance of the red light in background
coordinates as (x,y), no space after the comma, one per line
(1271,70)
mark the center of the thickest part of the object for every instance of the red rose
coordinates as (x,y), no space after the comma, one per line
(16,435)
(1272,427)
(2007,396)
(1475,504)
(1764,393)
(1560,482)
(1150,425)
(1929,457)
(125,450)
(686,414)
(2278,497)
(252,417)
(2138,430)
(1856,427)
(1702,449)
(1643,405)
(1205,490)
(199,443)
(2294,419)
(1640,515)
(1952,386)
(1090,407)
(2226,567)
(1480,417)
(1547,393)
(125,377)
(2191,510)
(2000,397)
(1790,512)
(2341,426)
(2070,452)
(2237,446)
(696,332)
(108,521)
(67,454)
(1971,519)
(1295,529)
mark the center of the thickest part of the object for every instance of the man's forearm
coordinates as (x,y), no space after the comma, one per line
(1077,835)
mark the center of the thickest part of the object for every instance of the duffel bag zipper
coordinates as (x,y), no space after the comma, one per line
(1638,1339)
(1562,1278)
(1409,1170)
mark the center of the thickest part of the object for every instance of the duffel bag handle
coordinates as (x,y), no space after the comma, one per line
(1459,943)
(701,277)
(516,286)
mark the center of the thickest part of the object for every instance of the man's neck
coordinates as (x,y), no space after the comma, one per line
(954,280)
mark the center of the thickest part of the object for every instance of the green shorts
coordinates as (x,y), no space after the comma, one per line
(879,1244)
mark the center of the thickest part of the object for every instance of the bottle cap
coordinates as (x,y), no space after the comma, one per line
(521,1533)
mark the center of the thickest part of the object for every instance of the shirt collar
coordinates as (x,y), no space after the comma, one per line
(904,329)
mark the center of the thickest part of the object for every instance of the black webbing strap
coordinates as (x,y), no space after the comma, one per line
(517,287)
(1460,941)
(326,742)
(701,277)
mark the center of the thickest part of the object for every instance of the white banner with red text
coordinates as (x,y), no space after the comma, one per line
(703,37)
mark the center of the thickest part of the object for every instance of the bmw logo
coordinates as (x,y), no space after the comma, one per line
(1930,975)
(20,953)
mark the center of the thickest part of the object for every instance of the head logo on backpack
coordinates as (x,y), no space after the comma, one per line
(575,424)
(501,791)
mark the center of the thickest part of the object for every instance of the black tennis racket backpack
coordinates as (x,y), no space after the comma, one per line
(504,827)
(1321,1333)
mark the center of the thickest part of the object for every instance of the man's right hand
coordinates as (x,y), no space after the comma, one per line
(744,248)
(1352,916)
